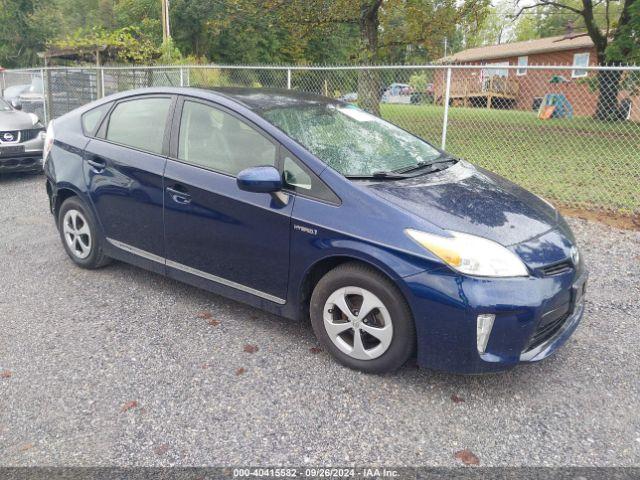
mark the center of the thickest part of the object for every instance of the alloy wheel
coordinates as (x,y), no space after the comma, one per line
(358,323)
(77,233)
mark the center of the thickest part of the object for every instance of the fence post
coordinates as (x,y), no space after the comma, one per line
(181,77)
(46,93)
(4,83)
(445,121)
(288,79)
(102,88)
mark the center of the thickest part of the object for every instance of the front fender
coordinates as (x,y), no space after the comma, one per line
(311,249)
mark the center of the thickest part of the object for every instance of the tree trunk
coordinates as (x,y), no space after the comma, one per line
(608,108)
(369,85)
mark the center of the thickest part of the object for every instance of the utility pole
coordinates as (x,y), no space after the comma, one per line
(166,25)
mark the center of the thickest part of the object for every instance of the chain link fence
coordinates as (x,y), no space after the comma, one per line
(569,134)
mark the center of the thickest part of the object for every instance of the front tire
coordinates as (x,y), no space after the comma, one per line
(79,235)
(361,317)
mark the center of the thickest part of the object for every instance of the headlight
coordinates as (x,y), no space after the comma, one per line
(34,119)
(471,255)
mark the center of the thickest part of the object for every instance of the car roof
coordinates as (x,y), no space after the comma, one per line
(267,98)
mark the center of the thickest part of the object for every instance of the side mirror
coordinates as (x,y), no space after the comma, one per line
(16,104)
(260,180)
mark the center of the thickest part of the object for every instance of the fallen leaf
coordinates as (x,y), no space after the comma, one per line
(129,405)
(213,322)
(240,371)
(204,366)
(26,446)
(456,399)
(5,374)
(204,315)
(315,350)
(251,348)
(467,457)
(161,449)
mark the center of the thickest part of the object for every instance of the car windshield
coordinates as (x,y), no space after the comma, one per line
(350,140)
(4,106)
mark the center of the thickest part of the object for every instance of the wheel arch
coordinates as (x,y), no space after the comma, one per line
(61,194)
(322,266)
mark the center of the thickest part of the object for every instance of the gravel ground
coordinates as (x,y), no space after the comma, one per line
(116,367)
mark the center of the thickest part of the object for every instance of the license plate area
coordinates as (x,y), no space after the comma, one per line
(7,151)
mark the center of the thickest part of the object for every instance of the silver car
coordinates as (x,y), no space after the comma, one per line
(21,140)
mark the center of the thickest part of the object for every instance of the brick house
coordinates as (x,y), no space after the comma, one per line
(493,86)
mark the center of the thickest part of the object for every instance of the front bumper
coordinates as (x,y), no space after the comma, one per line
(446,305)
(30,160)
(27,162)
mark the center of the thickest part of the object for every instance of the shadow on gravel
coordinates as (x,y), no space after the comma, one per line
(7,178)
(511,384)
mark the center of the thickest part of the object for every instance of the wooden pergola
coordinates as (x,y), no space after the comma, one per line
(91,54)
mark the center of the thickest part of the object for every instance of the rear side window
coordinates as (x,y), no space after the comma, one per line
(217,140)
(139,123)
(91,118)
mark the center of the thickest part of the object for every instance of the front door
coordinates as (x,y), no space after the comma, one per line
(213,230)
(124,168)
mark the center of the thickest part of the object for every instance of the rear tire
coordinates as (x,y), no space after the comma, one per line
(79,235)
(377,333)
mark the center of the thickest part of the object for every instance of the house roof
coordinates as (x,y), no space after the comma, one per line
(528,47)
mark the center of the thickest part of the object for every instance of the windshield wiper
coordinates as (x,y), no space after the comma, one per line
(381,175)
(420,165)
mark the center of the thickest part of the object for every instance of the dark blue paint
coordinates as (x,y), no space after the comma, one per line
(225,227)
(260,180)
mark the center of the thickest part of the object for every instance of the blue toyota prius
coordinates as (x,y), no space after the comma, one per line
(308,207)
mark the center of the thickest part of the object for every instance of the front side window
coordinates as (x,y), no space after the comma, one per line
(4,106)
(139,123)
(350,140)
(580,60)
(216,140)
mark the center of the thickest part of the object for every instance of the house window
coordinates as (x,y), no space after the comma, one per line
(494,70)
(522,62)
(580,60)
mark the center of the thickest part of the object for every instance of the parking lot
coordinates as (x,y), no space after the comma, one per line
(123,367)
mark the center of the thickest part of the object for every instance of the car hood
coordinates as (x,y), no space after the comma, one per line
(468,199)
(15,120)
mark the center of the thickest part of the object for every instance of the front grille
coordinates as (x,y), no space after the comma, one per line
(20,136)
(30,134)
(547,331)
(9,136)
(557,268)
(549,326)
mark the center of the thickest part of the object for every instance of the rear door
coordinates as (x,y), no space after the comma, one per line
(213,230)
(124,165)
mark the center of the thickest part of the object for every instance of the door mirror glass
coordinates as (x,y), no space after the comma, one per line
(16,104)
(259,180)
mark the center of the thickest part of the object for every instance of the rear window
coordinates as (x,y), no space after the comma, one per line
(91,119)
(139,123)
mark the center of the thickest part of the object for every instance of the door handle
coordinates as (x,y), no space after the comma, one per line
(97,164)
(178,196)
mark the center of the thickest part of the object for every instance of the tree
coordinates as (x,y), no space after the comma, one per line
(615,44)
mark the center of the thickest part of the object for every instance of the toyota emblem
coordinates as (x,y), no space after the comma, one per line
(8,137)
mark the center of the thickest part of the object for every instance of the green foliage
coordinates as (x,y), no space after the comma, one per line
(124,45)
(419,81)
(625,47)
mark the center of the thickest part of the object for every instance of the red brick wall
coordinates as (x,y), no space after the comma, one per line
(536,83)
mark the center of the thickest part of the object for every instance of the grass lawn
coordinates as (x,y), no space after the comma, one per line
(580,162)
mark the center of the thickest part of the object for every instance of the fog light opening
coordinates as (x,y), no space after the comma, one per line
(485,324)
